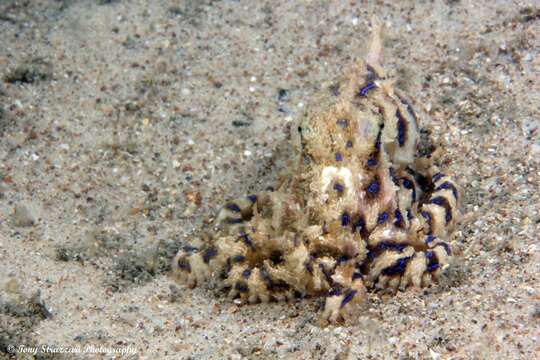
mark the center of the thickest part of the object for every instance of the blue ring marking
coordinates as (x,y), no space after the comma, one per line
(376,250)
(246,273)
(338,187)
(334,292)
(357,275)
(446,247)
(433,263)
(209,254)
(234,221)
(397,216)
(369,86)
(398,268)
(349,295)
(345,219)
(233,207)
(246,239)
(241,287)
(408,184)
(446,186)
(373,188)
(238,258)
(441,201)
(382,218)
(437,176)
(429,239)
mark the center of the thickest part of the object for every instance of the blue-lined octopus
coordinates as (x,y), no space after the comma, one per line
(363,206)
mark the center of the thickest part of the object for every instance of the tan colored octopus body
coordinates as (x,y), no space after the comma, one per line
(362,208)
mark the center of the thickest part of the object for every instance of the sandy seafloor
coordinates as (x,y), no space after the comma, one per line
(125,125)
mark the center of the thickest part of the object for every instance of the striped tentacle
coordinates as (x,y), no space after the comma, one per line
(438,215)
(194,266)
(239,211)
(254,284)
(348,292)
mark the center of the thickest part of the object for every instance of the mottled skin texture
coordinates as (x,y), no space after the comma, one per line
(360,208)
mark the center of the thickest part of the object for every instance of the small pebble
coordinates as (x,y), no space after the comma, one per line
(12,286)
(283,95)
(23,216)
